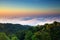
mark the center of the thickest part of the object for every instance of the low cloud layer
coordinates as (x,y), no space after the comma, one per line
(41,20)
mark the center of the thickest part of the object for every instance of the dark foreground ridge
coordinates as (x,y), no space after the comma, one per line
(24,32)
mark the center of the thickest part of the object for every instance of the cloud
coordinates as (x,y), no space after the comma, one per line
(30,20)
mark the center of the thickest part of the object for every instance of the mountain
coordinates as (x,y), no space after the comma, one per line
(12,28)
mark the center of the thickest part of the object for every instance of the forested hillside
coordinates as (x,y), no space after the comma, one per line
(25,32)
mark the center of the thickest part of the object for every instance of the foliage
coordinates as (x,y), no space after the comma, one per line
(3,36)
(25,32)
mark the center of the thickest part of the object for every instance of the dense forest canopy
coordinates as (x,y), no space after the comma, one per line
(24,32)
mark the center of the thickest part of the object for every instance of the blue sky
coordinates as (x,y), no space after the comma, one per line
(33,3)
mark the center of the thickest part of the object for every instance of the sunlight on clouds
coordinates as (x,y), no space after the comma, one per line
(29,21)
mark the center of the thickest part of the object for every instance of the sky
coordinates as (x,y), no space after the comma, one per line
(29,12)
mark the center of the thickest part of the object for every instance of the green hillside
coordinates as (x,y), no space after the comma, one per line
(25,32)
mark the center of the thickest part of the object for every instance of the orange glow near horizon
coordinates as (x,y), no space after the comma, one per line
(12,11)
(22,12)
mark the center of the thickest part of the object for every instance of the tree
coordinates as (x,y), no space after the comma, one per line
(21,34)
(36,36)
(3,36)
(14,37)
(41,36)
(28,35)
